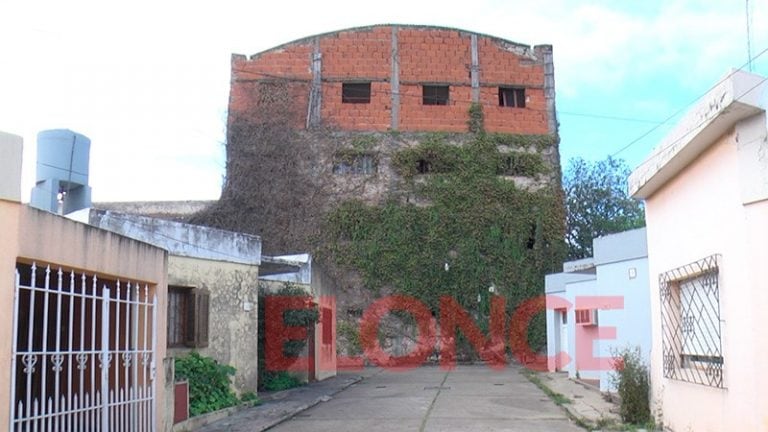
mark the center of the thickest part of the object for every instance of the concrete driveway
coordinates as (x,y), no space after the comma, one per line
(469,398)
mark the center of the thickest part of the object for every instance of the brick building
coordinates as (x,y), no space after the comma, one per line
(361,115)
(406,78)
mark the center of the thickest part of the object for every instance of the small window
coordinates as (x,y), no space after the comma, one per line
(364,164)
(512,97)
(435,95)
(423,166)
(188,317)
(356,93)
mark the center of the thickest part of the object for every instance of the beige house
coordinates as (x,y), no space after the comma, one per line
(213,279)
(705,189)
(80,345)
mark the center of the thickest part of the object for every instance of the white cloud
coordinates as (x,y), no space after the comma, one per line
(148,81)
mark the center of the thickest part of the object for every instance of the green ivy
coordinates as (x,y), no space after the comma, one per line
(476,122)
(209,383)
(536,142)
(487,230)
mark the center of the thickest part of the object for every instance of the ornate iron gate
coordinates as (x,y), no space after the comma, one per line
(83,352)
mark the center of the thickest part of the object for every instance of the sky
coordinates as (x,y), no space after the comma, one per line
(148,81)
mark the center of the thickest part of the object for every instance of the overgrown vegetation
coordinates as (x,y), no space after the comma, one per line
(631,379)
(480,227)
(476,122)
(349,334)
(209,383)
(280,185)
(280,380)
(597,203)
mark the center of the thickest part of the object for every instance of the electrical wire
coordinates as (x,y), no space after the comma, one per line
(683,108)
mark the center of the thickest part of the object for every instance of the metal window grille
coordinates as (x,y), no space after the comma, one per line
(83,352)
(690,322)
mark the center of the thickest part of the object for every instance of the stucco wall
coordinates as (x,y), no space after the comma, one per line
(697,214)
(34,235)
(9,246)
(632,321)
(324,289)
(233,314)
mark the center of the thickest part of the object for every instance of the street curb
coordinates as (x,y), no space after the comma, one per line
(298,410)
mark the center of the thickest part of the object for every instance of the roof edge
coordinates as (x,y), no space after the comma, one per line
(737,96)
(373,26)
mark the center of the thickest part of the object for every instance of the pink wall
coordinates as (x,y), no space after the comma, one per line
(697,214)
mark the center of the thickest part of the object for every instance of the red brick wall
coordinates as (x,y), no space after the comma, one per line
(360,55)
(426,55)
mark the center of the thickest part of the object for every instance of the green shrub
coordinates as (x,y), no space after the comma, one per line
(209,385)
(281,380)
(631,379)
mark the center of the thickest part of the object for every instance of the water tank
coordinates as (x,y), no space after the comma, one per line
(62,172)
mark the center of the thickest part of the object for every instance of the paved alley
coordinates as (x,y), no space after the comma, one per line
(470,398)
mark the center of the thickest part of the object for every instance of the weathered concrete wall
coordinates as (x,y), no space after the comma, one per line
(423,55)
(233,316)
(181,239)
(385,181)
(179,211)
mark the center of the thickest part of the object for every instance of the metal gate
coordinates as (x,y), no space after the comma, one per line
(83,352)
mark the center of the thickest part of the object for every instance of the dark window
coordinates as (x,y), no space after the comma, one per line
(188,317)
(358,164)
(512,97)
(435,95)
(423,166)
(356,93)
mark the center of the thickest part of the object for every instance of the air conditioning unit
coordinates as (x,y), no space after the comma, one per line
(586,317)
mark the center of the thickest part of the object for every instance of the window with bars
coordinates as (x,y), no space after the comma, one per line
(188,310)
(691,330)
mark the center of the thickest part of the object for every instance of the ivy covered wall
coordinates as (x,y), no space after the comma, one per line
(458,224)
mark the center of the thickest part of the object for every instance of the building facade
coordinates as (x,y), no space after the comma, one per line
(599,306)
(404,78)
(705,188)
(300,271)
(374,116)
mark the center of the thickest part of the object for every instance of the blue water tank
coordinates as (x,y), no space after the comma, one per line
(61,184)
